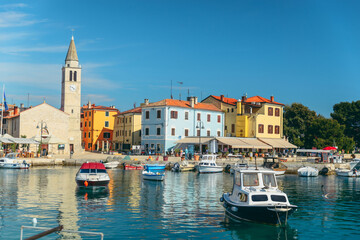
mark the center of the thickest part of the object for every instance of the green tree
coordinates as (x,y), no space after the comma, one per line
(324,132)
(297,118)
(348,114)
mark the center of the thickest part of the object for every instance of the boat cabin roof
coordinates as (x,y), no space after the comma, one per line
(259,178)
(92,165)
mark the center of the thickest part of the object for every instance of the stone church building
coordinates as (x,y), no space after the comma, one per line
(57,129)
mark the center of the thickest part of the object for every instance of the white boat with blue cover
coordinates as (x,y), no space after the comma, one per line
(154,167)
(154,172)
(155,176)
(256,197)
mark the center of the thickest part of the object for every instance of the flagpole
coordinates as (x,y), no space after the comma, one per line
(2,114)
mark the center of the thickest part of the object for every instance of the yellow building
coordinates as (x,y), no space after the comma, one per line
(127,129)
(97,125)
(259,117)
(250,117)
(228,106)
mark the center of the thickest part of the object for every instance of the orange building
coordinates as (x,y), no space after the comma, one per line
(97,125)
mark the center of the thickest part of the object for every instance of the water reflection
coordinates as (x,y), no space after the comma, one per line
(183,206)
(249,230)
(89,193)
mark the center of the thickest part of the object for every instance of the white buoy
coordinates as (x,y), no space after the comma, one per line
(34,222)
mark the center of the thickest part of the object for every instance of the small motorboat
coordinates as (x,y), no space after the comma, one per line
(155,176)
(154,172)
(278,167)
(111,165)
(208,164)
(231,168)
(154,167)
(308,172)
(184,166)
(354,170)
(11,161)
(92,174)
(256,197)
(133,166)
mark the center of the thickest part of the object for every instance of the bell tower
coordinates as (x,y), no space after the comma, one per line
(71,96)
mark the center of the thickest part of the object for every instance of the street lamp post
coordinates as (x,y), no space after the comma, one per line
(200,125)
(43,125)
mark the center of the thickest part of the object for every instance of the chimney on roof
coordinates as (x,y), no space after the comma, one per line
(16,110)
(146,101)
(222,98)
(21,107)
(191,101)
(271,98)
(243,98)
(89,104)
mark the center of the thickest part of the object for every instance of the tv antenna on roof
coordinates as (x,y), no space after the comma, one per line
(181,83)
(171,96)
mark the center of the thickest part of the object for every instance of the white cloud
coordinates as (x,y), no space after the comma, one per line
(16,19)
(46,76)
(45,49)
(12,36)
(14,5)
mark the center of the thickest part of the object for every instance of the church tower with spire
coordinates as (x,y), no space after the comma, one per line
(71,96)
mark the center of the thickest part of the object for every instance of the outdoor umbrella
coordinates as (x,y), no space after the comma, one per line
(329,148)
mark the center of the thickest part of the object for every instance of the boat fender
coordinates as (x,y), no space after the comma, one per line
(234,209)
(86,183)
(221,199)
(227,168)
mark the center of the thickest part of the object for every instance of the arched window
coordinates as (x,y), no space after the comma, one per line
(75,76)
(70,75)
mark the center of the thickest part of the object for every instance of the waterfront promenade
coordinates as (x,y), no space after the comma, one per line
(293,163)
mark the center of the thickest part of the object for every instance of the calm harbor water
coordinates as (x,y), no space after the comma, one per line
(185,205)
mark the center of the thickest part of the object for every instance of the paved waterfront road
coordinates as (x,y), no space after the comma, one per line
(184,206)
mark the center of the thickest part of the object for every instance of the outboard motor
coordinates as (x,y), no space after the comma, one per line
(176,167)
(227,168)
(324,171)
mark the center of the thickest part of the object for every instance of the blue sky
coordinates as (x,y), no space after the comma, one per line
(298,51)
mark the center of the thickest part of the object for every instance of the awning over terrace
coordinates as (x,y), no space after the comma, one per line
(277,143)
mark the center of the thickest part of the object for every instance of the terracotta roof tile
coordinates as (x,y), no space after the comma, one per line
(260,100)
(134,110)
(86,107)
(183,104)
(231,101)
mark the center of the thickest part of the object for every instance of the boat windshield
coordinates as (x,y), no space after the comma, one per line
(250,179)
(92,171)
(269,180)
(11,155)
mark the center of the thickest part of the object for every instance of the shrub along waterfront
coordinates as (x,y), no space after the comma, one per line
(306,129)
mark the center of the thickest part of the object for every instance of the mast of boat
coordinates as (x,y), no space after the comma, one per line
(255,164)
